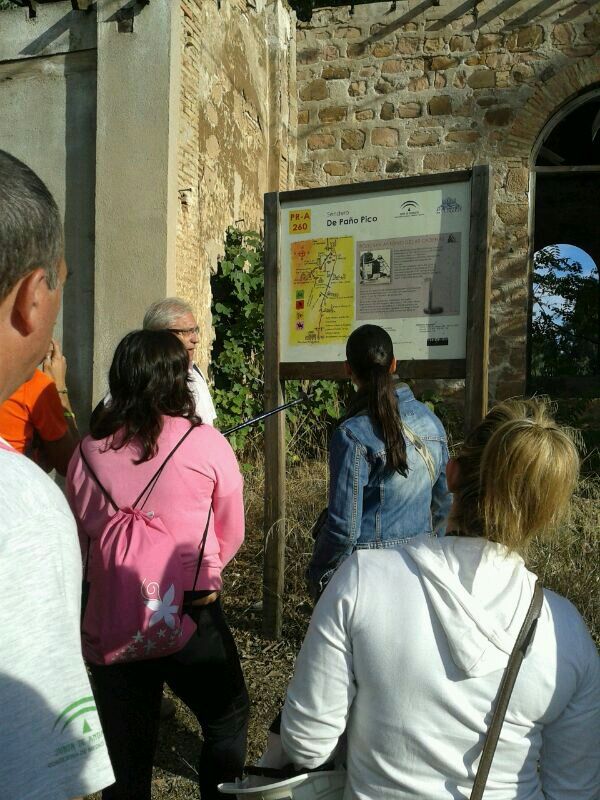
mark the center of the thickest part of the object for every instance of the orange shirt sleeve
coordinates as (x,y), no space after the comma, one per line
(45,409)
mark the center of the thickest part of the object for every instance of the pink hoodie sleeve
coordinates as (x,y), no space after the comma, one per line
(228,502)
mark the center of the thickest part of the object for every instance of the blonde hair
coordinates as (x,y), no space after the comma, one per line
(517,472)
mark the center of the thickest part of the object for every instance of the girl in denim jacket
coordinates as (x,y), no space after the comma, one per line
(387,463)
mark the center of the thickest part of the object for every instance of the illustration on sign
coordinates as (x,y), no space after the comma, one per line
(323,290)
(410,276)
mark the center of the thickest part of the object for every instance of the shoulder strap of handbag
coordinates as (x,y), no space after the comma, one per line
(421,449)
(523,641)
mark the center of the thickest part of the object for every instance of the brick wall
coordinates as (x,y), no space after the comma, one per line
(236,102)
(385,93)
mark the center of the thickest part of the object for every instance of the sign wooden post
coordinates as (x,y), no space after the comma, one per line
(409,254)
(274,514)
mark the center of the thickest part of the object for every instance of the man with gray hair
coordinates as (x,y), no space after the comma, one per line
(50,737)
(175,315)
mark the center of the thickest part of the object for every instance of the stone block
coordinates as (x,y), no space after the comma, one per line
(364,113)
(419,84)
(303,117)
(482,79)
(357,88)
(475,61)
(384,87)
(331,52)
(409,110)
(387,111)
(368,164)
(513,213)
(335,73)
(353,139)
(527,38)
(305,174)
(461,44)
(517,180)
(439,82)
(347,33)
(393,66)
(332,114)
(357,49)
(440,105)
(320,141)
(368,72)
(382,50)
(487,102)
(503,79)
(384,137)
(499,60)
(463,136)
(489,41)
(408,46)
(423,138)
(396,165)
(440,162)
(315,90)
(443,62)
(308,56)
(434,44)
(498,117)
(591,31)
(563,34)
(459,80)
(336,168)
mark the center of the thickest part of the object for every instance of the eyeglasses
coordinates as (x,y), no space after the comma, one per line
(185,331)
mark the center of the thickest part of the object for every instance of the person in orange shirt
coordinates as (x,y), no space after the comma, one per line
(37,419)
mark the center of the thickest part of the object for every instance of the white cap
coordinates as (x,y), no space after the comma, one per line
(326,785)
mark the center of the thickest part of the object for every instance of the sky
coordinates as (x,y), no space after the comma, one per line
(556,302)
(577,254)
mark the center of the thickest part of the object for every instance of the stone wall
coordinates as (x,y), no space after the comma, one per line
(390,91)
(237,104)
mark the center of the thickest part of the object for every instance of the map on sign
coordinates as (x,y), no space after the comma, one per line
(322,276)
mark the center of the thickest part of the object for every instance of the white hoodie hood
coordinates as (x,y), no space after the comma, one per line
(480,593)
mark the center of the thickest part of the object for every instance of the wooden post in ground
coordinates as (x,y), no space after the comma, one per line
(478,300)
(274,519)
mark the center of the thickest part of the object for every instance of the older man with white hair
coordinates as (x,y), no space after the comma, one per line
(175,315)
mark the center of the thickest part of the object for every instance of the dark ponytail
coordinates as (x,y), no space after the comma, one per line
(370,353)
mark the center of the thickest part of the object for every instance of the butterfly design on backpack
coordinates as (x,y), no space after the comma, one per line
(163,608)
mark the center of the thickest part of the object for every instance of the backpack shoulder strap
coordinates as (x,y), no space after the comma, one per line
(421,449)
(95,477)
(147,490)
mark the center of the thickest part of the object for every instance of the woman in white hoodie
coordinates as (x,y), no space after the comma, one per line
(407,647)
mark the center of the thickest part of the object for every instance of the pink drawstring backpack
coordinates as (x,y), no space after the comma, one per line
(133,590)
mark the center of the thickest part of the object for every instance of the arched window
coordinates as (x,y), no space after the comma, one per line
(563,351)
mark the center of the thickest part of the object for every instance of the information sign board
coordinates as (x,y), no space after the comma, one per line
(395,257)
(408,254)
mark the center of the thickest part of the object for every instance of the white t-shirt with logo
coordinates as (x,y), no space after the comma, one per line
(51,742)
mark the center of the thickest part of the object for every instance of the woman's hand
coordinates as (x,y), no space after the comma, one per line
(55,366)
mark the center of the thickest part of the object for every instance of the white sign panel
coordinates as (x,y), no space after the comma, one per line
(395,258)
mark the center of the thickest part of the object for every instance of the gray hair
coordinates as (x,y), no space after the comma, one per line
(31,234)
(162,314)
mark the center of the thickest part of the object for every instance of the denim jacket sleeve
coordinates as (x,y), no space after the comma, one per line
(441,498)
(348,475)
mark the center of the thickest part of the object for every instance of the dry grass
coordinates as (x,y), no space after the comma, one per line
(567,564)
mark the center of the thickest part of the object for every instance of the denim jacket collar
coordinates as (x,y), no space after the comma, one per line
(358,404)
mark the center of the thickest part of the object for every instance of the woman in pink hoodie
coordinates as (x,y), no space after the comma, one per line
(150,429)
